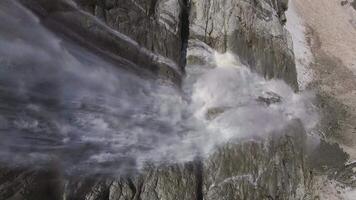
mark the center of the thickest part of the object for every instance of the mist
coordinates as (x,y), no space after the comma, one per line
(60,103)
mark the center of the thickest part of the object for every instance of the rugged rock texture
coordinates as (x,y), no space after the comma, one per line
(148,34)
(262,169)
(251,29)
(153,24)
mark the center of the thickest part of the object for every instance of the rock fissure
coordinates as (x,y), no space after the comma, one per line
(199,180)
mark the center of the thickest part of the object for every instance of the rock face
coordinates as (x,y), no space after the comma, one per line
(251,29)
(155,25)
(155,28)
(265,168)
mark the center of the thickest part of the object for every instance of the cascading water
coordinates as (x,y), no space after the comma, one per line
(60,103)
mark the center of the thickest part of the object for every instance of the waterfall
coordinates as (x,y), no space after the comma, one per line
(62,103)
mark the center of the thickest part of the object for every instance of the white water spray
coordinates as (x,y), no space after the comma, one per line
(61,103)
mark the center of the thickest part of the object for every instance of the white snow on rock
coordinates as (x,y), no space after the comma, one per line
(303,55)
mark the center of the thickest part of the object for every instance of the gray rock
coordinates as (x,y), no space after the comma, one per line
(155,183)
(251,29)
(269,98)
(135,34)
(153,24)
(270,168)
(22,184)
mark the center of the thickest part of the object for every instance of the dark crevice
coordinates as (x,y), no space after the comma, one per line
(185,4)
(199,179)
(139,188)
(132,187)
(152,10)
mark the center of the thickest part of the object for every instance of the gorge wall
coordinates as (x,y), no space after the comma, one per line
(154,35)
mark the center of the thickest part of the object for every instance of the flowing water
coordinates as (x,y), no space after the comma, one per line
(60,103)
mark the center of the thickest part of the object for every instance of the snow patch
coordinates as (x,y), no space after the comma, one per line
(303,55)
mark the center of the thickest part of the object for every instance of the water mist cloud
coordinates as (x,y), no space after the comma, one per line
(60,103)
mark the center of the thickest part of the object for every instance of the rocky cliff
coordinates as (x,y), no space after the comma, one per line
(123,31)
(251,29)
(154,35)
